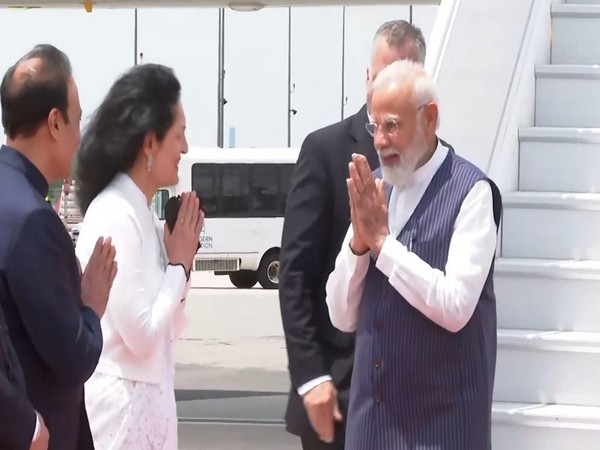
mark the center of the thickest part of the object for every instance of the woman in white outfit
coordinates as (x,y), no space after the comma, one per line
(130,149)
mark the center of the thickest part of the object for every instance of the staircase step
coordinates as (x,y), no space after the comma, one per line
(536,366)
(567,96)
(547,294)
(559,159)
(575,37)
(551,225)
(521,426)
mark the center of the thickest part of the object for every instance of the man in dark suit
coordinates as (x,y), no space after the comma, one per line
(52,312)
(21,428)
(316,220)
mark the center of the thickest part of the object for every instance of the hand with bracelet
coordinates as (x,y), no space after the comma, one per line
(182,243)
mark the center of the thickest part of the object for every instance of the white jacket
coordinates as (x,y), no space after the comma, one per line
(145,311)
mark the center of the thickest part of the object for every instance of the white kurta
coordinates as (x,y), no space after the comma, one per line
(130,398)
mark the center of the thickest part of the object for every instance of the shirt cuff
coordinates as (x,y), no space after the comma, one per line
(306,387)
(356,261)
(187,274)
(36,432)
(389,255)
(176,280)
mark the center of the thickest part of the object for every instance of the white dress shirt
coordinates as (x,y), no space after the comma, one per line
(145,311)
(448,297)
(37,430)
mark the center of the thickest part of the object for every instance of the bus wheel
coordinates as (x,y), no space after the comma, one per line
(243,279)
(268,271)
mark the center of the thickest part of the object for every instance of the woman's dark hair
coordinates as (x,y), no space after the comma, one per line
(139,102)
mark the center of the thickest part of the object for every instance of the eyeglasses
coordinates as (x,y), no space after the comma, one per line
(389,127)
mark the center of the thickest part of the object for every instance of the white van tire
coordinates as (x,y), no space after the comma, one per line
(268,271)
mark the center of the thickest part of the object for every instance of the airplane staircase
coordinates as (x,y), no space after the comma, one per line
(547,390)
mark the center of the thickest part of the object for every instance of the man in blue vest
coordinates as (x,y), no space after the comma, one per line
(316,219)
(414,279)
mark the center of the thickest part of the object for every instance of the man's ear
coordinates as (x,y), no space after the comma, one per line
(54,122)
(431,116)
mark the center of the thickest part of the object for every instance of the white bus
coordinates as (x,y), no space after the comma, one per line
(243,193)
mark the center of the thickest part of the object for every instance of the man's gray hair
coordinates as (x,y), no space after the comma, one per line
(409,72)
(397,32)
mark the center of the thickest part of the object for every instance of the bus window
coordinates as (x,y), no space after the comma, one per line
(159,201)
(264,190)
(206,183)
(242,190)
(235,191)
(285,177)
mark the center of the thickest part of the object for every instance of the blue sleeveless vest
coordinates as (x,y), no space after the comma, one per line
(415,385)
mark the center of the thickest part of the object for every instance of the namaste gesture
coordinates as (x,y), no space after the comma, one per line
(368,210)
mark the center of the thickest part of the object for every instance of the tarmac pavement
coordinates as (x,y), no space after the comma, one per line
(231,376)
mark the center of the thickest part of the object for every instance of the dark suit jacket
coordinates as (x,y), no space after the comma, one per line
(317,218)
(17,416)
(57,339)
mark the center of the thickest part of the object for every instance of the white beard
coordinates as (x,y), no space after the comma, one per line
(401,175)
(398,176)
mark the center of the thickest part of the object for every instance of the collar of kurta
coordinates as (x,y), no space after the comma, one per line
(18,161)
(133,193)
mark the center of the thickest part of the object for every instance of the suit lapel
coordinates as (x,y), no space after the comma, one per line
(364,141)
